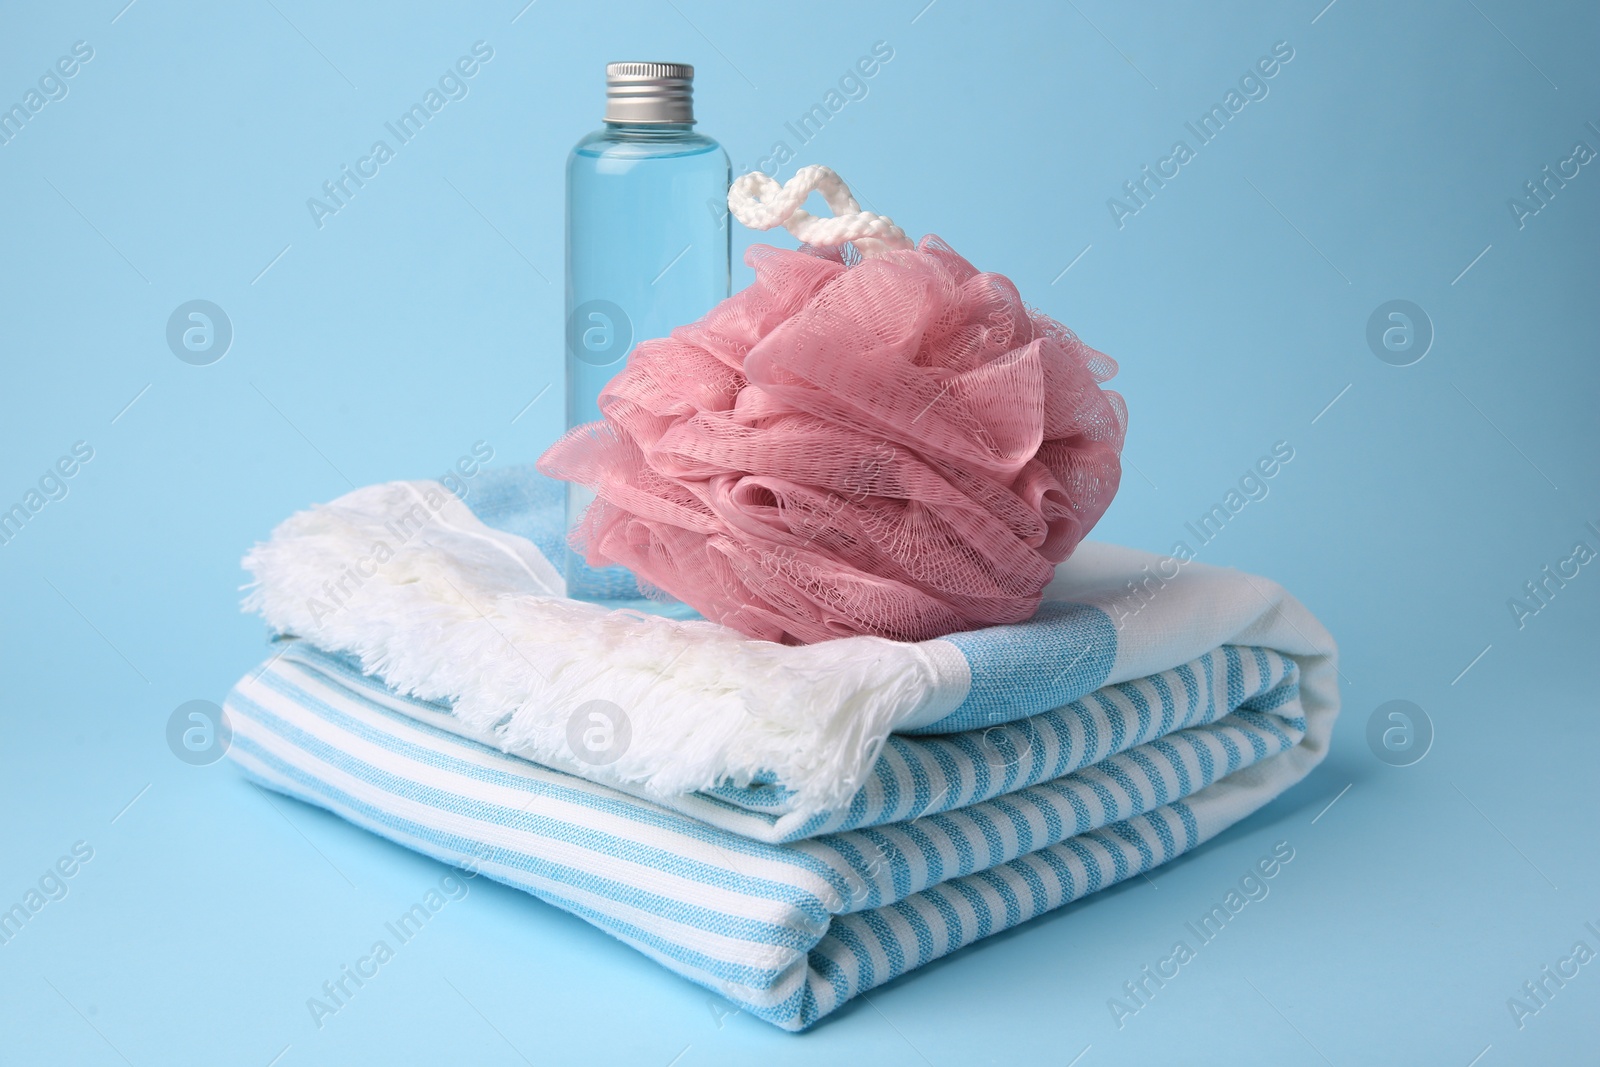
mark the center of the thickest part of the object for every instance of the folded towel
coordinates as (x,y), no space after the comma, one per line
(786,825)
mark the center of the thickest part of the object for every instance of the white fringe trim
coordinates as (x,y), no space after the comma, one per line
(444,608)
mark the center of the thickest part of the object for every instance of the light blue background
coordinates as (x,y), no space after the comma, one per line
(422,318)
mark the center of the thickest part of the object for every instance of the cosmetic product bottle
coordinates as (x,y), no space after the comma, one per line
(647,251)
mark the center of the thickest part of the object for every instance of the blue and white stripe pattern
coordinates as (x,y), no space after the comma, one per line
(1068,802)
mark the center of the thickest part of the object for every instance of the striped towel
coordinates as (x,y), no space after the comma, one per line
(1002,773)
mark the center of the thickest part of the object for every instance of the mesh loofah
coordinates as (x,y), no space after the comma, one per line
(893,445)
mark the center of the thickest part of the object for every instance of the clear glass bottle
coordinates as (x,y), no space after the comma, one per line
(647,250)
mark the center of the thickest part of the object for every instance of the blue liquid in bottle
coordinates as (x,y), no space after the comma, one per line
(647,251)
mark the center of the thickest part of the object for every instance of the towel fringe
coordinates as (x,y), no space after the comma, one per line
(441,607)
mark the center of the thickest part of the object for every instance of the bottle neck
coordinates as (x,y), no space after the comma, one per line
(648,131)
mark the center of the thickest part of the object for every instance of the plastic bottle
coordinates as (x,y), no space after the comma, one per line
(647,250)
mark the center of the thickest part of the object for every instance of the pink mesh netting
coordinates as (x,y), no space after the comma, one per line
(894,446)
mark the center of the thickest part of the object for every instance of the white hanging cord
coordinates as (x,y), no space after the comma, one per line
(761,203)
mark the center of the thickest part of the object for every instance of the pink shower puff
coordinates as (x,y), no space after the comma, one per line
(894,446)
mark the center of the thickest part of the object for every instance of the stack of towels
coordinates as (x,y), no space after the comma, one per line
(788,826)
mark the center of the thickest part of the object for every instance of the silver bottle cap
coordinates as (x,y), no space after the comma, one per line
(649,93)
